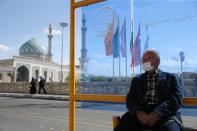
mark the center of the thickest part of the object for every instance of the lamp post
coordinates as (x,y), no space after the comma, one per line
(62,24)
(182,58)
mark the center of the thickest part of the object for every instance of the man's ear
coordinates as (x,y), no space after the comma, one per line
(158,61)
(155,62)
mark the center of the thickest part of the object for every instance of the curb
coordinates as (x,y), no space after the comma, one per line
(36,96)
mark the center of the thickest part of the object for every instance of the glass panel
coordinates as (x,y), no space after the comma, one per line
(165,26)
(171,28)
(100,73)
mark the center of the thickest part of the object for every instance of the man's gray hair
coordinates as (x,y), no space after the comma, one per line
(156,53)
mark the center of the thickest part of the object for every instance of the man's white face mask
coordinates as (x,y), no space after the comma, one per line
(147,66)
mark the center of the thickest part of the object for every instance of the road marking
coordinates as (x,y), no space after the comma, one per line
(37,114)
(51,128)
(41,126)
(6,110)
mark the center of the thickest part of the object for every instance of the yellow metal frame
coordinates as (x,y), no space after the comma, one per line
(73,6)
(91,97)
(101,98)
(188,101)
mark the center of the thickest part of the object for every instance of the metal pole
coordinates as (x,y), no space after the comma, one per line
(112,48)
(62,24)
(182,58)
(113,69)
(119,70)
(119,50)
(125,50)
(72,91)
(86,2)
(182,75)
(181,68)
(72,68)
(132,30)
(62,51)
(126,66)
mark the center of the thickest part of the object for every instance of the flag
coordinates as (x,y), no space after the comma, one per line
(108,39)
(116,43)
(123,39)
(147,39)
(136,50)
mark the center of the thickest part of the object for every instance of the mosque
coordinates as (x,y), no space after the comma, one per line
(34,60)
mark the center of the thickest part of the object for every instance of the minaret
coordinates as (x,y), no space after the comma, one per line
(50,36)
(83,59)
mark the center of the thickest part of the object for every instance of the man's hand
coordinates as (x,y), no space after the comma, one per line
(153,118)
(143,117)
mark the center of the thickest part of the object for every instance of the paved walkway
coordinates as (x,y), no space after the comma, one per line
(188,120)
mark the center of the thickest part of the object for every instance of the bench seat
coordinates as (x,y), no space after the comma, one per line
(116,120)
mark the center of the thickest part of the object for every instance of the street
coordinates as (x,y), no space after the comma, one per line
(21,114)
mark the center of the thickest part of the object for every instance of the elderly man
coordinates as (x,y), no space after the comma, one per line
(153,100)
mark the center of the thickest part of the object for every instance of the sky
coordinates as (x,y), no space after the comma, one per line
(21,20)
(172,27)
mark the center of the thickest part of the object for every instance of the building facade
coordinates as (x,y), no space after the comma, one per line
(34,61)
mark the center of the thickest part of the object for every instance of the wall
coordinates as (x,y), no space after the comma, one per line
(105,88)
(23,87)
(63,88)
(59,88)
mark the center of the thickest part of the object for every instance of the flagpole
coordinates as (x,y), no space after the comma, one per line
(140,52)
(119,49)
(123,45)
(133,51)
(147,39)
(113,67)
(132,30)
(126,52)
(125,49)
(113,47)
(119,69)
(126,66)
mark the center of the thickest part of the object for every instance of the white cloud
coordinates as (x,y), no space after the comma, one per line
(100,68)
(94,62)
(4,48)
(192,62)
(54,31)
(172,65)
(169,63)
(175,49)
(100,55)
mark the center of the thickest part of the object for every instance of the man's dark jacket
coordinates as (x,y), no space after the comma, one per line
(167,89)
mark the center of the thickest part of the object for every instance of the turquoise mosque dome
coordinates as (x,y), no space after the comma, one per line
(33,48)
